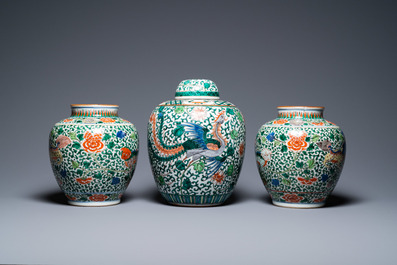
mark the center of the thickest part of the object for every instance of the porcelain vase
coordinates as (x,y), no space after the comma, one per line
(93,154)
(196,145)
(300,156)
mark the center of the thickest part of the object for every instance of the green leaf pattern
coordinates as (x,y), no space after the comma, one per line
(99,168)
(289,166)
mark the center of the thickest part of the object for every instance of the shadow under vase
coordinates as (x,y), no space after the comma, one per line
(59,197)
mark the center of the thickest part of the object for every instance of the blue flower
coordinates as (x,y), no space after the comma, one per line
(324,177)
(63,173)
(270,137)
(115,181)
(275,182)
(120,134)
(160,115)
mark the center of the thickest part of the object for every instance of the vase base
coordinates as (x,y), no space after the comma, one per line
(195,200)
(194,205)
(94,204)
(299,205)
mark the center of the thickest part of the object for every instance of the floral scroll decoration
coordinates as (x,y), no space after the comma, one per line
(98,197)
(94,120)
(292,198)
(206,139)
(93,144)
(298,142)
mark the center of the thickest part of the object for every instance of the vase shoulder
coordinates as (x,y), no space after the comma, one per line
(300,123)
(106,121)
(198,102)
(300,116)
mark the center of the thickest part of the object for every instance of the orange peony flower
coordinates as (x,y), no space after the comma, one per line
(318,123)
(281,121)
(307,181)
(84,180)
(241,149)
(297,141)
(126,153)
(292,198)
(107,120)
(218,177)
(67,120)
(93,143)
(98,197)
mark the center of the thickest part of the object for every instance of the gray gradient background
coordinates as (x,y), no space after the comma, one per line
(338,54)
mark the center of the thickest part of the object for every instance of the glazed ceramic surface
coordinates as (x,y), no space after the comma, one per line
(300,156)
(93,155)
(196,145)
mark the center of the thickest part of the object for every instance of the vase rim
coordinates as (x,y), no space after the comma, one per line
(93,106)
(301,107)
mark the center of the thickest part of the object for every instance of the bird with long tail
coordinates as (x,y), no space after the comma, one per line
(197,146)
(211,152)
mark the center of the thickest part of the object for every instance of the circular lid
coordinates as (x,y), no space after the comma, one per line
(197,88)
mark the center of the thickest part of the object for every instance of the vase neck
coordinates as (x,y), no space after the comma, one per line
(94,110)
(304,112)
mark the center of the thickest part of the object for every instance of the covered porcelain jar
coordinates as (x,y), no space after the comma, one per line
(300,156)
(196,145)
(93,154)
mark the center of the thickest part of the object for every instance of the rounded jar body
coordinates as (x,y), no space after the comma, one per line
(300,157)
(196,145)
(93,154)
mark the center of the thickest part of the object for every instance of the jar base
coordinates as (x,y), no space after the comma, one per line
(195,200)
(194,205)
(299,205)
(94,204)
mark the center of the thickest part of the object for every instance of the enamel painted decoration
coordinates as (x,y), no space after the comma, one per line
(300,156)
(196,145)
(93,155)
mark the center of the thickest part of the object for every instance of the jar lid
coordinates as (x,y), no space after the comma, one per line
(197,88)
